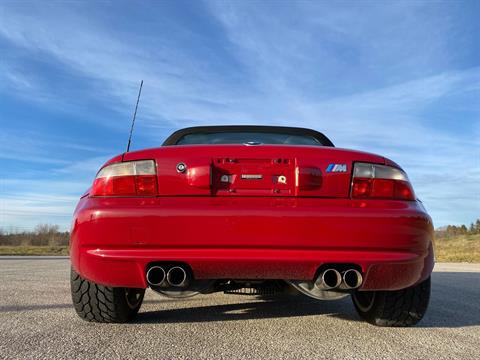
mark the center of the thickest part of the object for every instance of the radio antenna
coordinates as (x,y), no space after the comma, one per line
(134,116)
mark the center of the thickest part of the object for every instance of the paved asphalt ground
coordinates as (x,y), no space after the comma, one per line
(37,321)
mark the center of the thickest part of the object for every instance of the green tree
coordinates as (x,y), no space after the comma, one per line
(471,229)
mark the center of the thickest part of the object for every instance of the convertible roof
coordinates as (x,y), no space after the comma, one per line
(177,135)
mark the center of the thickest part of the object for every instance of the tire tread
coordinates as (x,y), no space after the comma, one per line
(399,308)
(98,303)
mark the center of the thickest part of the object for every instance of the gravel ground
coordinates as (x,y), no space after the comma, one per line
(37,321)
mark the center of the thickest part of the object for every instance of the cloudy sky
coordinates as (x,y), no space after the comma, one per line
(401,79)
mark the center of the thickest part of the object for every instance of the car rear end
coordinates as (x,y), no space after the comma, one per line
(230,213)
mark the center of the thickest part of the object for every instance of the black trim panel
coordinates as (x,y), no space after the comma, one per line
(177,135)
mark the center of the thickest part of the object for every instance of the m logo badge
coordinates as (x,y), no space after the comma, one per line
(336,168)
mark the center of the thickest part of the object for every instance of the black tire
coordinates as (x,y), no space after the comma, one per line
(404,307)
(104,304)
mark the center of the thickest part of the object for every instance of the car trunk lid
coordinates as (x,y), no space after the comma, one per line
(264,170)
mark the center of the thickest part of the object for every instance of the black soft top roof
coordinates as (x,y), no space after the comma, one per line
(177,135)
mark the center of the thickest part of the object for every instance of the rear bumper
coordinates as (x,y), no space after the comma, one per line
(113,240)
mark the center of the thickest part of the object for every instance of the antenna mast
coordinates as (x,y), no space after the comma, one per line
(134,116)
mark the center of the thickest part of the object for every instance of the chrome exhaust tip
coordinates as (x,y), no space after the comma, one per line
(329,279)
(177,276)
(352,279)
(156,275)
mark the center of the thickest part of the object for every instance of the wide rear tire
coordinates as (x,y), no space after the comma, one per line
(404,307)
(104,304)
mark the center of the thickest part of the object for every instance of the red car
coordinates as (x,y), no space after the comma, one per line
(254,210)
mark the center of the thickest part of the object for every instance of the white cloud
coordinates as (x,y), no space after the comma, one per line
(35,147)
(27,203)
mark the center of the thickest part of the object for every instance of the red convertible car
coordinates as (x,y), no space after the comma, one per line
(257,210)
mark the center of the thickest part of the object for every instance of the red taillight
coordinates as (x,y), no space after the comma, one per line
(403,190)
(361,187)
(133,178)
(146,184)
(380,182)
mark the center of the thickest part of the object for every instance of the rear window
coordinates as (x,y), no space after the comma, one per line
(244,137)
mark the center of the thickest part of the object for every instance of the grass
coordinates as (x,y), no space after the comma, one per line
(461,248)
(34,250)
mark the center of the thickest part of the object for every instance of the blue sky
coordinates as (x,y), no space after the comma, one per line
(401,79)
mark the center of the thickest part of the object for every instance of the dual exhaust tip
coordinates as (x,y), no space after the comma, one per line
(332,279)
(176,276)
(329,279)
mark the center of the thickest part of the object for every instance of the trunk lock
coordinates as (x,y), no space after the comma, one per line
(181,167)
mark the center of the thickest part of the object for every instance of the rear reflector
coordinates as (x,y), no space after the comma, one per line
(133,178)
(380,182)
